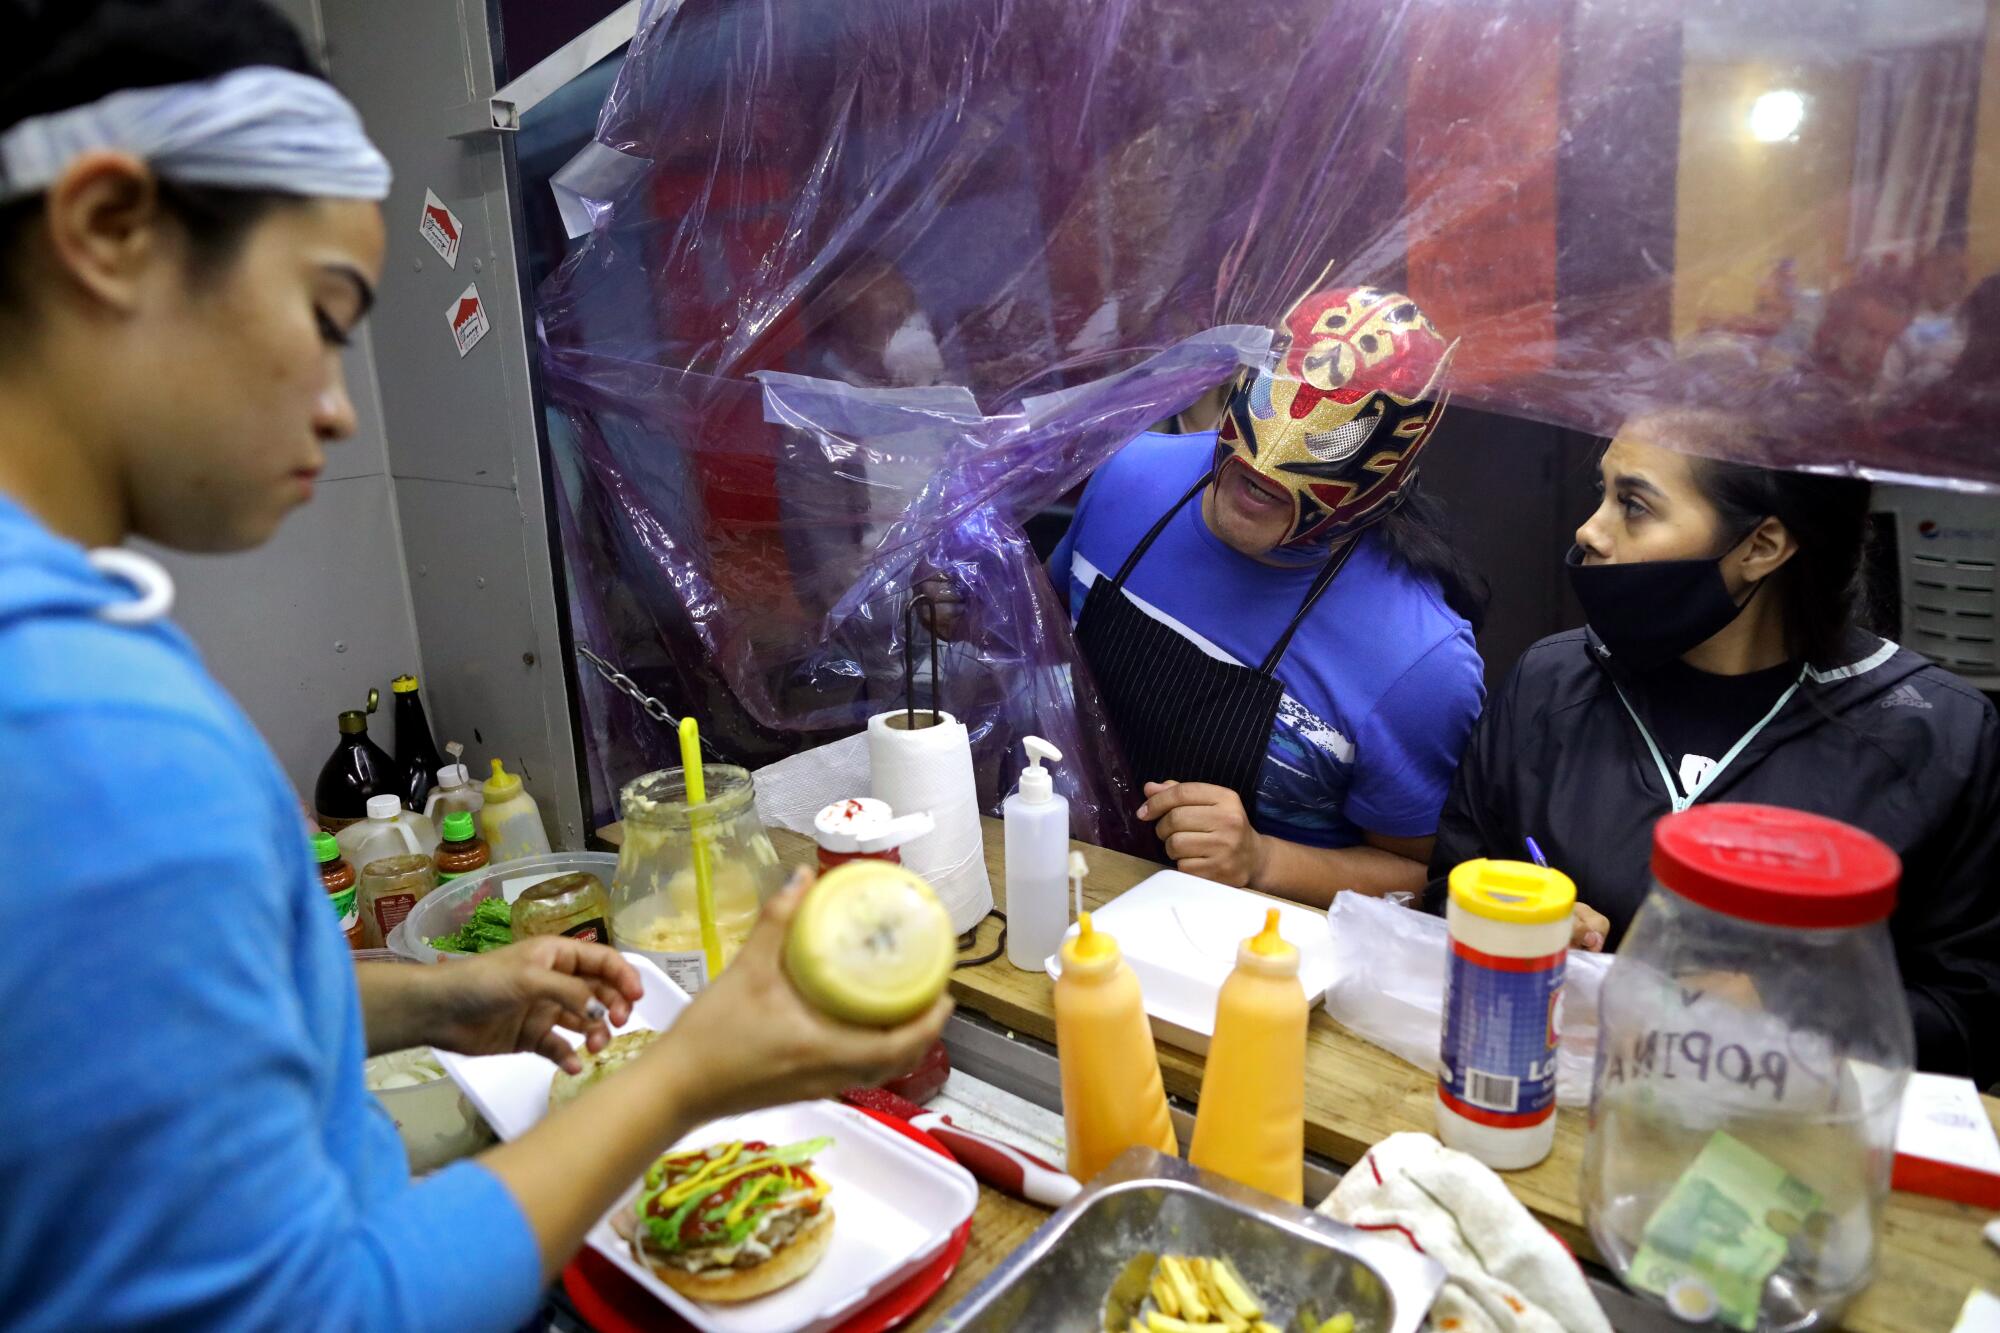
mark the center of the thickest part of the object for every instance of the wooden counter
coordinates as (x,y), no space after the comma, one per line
(1932,1252)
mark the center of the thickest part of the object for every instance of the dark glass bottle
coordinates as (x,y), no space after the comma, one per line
(357,769)
(417,759)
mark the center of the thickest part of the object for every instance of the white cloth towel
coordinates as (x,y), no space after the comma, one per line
(1504,1272)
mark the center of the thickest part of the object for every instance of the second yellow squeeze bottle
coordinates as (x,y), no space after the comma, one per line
(1250,1124)
(1111,1091)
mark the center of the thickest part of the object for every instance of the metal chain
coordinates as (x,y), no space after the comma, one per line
(625,685)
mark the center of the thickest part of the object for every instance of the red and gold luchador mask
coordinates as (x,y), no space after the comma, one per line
(1358,385)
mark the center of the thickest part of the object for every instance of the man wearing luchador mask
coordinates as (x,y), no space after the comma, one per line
(1275,638)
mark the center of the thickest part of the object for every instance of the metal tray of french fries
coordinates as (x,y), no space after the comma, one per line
(1162,1245)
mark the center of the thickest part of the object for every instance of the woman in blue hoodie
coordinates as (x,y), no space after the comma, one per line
(189,232)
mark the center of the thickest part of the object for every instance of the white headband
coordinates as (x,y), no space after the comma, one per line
(256,128)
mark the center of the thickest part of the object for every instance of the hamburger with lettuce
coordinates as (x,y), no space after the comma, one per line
(732,1221)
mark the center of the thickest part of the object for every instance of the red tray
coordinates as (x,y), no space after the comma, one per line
(611,1302)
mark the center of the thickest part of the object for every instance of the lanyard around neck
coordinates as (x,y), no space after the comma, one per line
(1682,801)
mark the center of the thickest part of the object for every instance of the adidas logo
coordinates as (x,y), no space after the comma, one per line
(1905,696)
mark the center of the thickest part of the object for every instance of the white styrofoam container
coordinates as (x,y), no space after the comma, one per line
(512,1091)
(895,1203)
(1180,934)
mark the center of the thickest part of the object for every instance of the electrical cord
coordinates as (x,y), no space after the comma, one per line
(971,938)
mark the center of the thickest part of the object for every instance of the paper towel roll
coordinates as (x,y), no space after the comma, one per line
(931,769)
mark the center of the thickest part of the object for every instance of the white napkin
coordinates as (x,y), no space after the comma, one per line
(796,788)
(1504,1272)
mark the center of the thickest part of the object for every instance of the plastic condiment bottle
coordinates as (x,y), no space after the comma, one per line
(390,888)
(1036,822)
(1510,927)
(389,830)
(417,758)
(462,851)
(357,769)
(865,829)
(338,879)
(1251,1122)
(1111,1092)
(454,792)
(510,819)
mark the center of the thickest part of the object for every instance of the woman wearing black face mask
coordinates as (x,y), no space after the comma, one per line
(1721,663)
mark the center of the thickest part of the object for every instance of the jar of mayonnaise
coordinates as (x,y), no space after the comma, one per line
(1510,929)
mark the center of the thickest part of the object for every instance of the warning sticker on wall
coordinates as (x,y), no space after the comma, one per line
(441,228)
(467,317)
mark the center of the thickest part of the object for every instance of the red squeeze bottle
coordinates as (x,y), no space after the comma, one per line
(864,829)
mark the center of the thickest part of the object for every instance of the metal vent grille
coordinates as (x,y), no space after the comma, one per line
(1949,580)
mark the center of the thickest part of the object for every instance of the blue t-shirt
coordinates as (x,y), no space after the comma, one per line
(187,1142)
(1382,682)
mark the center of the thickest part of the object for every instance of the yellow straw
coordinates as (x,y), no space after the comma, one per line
(704,877)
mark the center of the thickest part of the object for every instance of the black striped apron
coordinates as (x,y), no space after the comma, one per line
(1179,714)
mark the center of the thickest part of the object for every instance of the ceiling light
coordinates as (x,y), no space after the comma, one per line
(1775,116)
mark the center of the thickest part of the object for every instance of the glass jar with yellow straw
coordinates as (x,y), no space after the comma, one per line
(691,836)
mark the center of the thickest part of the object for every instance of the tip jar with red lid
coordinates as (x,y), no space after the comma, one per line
(1753,1045)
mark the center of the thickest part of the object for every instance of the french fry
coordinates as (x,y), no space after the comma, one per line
(1193,1308)
(1163,1293)
(1234,1294)
(1205,1294)
(1203,1272)
(1160,1323)
(1340,1323)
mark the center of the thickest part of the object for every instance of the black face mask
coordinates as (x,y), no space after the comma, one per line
(1650,612)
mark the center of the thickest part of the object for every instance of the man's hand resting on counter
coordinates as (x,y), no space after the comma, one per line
(1207,832)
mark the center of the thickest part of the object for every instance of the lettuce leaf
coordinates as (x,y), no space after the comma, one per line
(490,926)
(666,1232)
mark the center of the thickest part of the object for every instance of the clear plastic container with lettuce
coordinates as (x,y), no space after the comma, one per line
(448,922)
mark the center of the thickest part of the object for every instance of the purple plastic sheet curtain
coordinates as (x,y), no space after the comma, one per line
(886,278)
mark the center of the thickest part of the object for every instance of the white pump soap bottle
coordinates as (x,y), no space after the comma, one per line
(1037,827)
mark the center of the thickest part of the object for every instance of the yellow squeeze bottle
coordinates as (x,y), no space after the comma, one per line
(1251,1123)
(1111,1091)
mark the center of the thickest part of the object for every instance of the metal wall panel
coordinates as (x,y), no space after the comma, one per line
(462,442)
(482,655)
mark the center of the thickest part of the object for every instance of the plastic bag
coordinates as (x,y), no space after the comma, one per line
(1611,205)
(1389,988)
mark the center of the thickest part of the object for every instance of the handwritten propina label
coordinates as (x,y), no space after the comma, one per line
(1695,1056)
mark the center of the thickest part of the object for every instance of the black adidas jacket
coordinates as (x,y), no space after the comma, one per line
(1889,743)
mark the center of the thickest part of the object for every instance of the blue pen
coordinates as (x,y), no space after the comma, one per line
(1536,852)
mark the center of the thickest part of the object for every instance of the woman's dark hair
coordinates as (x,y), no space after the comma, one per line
(1418,535)
(1828,516)
(1822,584)
(1744,430)
(56,54)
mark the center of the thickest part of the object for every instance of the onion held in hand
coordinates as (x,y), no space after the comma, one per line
(871,944)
